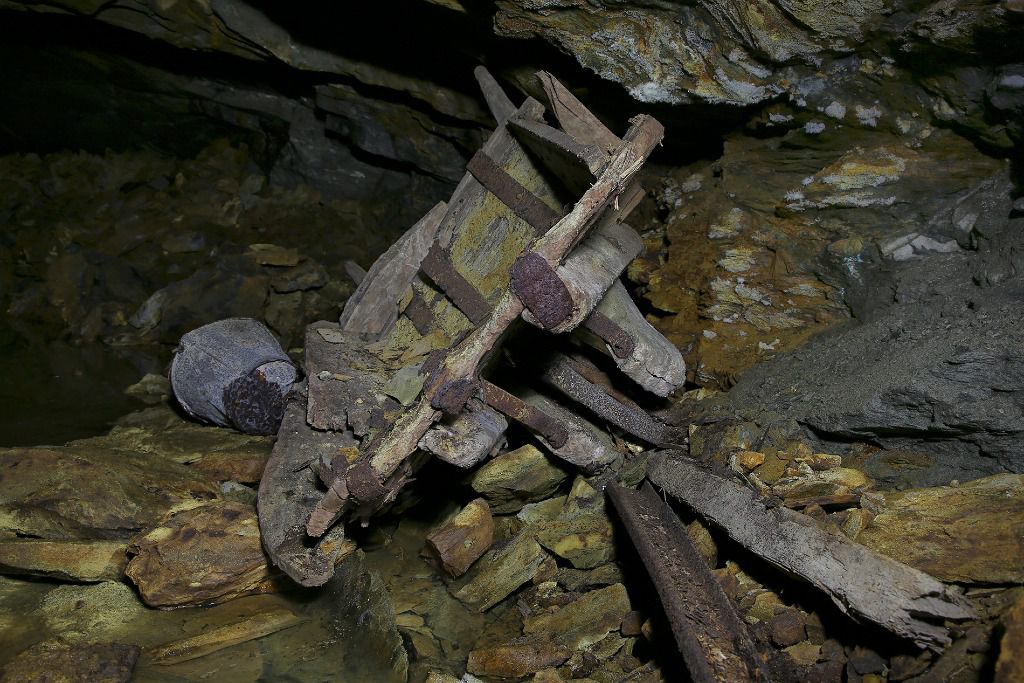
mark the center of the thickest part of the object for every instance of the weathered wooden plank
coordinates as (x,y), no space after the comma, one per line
(905,601)
(575,164)
(344,380)
(480,236)
(562,373)
(289,489)
(650,360)
(585,445)
(374,305)
(468,438)
(710,635)
(498,103)
(574,118)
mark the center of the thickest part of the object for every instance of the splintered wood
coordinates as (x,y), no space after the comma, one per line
(534,233)
(869,586)
(711,637)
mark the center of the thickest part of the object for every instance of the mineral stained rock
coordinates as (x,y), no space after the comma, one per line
(1010,665)
(86,491)
(516,661)
(222,454)
(585,621)
(516,478)
(55,661)
(968,533)
(501,571)
(65,560)
(205,555)
(582,531)
(464,538)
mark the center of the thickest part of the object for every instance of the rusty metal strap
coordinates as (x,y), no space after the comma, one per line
(512,194)
(711,637)
(522,412)
(607,329)
(438,267)
(420,314)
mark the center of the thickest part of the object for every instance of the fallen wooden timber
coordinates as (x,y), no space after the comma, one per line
(405,374)
(712,638)
(862,583)
(462,362)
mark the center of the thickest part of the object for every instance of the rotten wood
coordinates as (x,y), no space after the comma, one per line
(289,489)
(373,307)
(574,117)
(498,103)
(587,274)
(585,445)
(563,374)
(345,382)
(711,637)
(869,586)
(575,164)
(468,438)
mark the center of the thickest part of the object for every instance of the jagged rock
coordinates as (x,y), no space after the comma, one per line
(205,555)
(948,386)
(151,389)
(463,538)
(55,661)
(501,571)
(965,534)
(88,491)
(584,621)
(579,580)
(516,478)
(66,560)
(582,532)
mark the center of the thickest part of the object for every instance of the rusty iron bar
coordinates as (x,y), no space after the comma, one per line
(553,431)
(512,194)
(618,339)
(563,374)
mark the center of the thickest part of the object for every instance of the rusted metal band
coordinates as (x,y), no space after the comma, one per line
(451,397)
(540,289)
(438,267)
(553,431)
(364,484)
(607,329)
(420,314)
(523,203)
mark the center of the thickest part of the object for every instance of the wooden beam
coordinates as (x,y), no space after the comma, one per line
(710,635)
(906,602)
